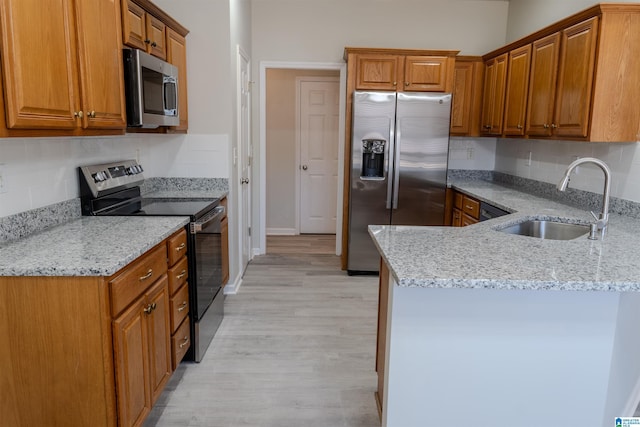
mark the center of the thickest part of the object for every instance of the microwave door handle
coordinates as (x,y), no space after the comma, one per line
(169,81)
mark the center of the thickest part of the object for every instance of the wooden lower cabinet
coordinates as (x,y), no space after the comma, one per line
(87,351)
(466,210)
(381,343)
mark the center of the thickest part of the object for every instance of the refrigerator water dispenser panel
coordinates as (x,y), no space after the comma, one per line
(373,159)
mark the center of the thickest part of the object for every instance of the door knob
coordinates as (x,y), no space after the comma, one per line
(244,180)
(304,167)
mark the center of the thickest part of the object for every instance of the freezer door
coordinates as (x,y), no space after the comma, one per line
(370,195)
(422,148)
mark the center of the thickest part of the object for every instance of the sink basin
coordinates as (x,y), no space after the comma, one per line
(544,229)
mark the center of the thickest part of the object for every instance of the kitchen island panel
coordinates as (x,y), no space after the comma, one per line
(481,357)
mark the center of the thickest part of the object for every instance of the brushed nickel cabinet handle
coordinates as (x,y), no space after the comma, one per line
(185,341)
(148,309)
(182,274)
(519,126)
(183,306)
(181,247)
(146,276)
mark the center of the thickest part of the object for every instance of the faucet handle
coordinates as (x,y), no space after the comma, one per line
(595,216)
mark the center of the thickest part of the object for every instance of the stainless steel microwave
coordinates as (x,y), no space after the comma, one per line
(151,86)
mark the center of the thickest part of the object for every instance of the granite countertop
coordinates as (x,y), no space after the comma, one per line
(480,257)
(87,246)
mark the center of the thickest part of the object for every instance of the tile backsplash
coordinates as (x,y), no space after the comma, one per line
(37,172)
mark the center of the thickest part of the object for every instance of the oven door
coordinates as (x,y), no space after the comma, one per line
(206,259)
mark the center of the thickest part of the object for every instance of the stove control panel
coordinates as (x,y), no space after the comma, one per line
(109,177)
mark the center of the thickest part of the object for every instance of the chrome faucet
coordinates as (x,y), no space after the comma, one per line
(603,219)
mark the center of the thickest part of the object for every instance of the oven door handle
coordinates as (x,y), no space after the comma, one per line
(215,214)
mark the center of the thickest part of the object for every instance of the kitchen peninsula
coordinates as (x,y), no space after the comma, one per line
(486,328)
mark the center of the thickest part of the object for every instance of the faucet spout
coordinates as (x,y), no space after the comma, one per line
(603,218)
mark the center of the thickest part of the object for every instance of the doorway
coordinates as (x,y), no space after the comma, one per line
(302,135)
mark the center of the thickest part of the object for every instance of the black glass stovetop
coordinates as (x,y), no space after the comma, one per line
(158,207)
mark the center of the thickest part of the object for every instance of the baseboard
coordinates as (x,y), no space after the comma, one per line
(257,251)
(233,288)
(281,232)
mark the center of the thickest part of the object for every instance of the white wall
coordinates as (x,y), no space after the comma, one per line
(318,31)
(472,153)
(526,16)
(37,172)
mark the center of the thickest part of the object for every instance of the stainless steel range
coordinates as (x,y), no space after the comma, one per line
(114,189)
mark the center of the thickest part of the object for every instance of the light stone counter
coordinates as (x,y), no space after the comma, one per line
(478,256)
(88,246)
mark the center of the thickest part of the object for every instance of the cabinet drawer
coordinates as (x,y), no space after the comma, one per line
(178,275)
(179,307)
(177,246)
(137,277)
(471,207)
(467,220)
(180,343)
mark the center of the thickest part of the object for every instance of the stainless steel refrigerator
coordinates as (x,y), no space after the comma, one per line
(399,153)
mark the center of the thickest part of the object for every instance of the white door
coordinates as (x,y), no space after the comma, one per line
(318,168)
(244,126)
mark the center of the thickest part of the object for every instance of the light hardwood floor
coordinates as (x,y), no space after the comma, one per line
(296,349)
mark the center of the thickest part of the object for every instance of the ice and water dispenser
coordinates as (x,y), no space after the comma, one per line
(373,158)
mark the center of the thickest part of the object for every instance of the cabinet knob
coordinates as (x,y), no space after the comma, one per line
(92,114)
(487,126)
(147,41)
(395,83)
(406,83)
(553,126)
(519,126)
(183,306)
(546,126)
(305,167)
(78,114)
(154,44)
(150,308)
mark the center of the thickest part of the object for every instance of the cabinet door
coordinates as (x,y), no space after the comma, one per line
(132,365)
(157,34)
(378,72)
(575,80)
(224,236)
(39,64)
(425,73)
(134,22)
(100,62)
(456,220)
(177,55)
(542,85)
(159,335)
(467,93)
(516,90)
(493,95)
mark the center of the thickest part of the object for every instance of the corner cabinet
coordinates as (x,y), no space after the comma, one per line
(62,70)
(467,96)
(93,351)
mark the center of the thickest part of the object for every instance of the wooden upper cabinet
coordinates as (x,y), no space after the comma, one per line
(134,25)
(378,72)
(62,69)
(157,35)
(542,85)
(142,30)
(405,72)
(101,70)
(39,65)
(428,73)
(177,55)
(575,80)
(495,80)
(467,96)
(516,91)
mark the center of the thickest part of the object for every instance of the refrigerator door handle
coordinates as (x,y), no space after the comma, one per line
(389,166)
(396,164)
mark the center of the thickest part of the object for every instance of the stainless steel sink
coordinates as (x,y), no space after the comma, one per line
(544,229)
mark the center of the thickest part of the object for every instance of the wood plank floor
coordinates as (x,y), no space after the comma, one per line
(304,243)
(296,348)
